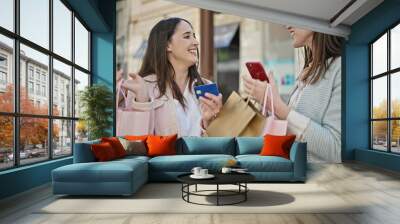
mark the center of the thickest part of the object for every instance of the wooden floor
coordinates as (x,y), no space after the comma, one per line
(377,188)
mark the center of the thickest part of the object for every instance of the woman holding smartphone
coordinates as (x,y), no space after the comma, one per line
(313,111)
(165,83)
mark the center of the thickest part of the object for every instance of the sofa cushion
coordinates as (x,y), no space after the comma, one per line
(185,163)
(257,163)
(112,171)
(206,145)
(249,145)
(131,158)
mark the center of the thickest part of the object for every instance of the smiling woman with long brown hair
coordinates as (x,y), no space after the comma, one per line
(313,111)
(164,85)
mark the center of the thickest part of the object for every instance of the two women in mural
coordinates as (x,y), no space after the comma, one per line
(169,72)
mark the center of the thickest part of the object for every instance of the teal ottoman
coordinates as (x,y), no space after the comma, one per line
(118,177)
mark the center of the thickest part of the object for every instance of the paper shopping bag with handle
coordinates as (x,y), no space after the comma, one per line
(238,117)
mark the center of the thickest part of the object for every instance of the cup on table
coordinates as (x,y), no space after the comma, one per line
(203,172)
(196,171)
(226,170)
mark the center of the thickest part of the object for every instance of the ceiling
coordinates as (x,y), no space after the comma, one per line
(326,16)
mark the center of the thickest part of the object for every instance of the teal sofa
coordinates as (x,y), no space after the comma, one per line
(125,176)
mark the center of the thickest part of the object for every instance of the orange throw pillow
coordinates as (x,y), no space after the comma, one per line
(161,145)
(136,137)
(116,145)
(103,152)
(277,145)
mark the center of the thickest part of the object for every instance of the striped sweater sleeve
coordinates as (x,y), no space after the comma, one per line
(324,140)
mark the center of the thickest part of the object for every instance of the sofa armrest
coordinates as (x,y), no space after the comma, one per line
(83,152)
(298,155)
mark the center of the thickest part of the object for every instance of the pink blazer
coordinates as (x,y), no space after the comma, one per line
(163,111)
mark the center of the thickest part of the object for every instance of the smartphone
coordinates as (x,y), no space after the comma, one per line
(257,71)
(208,88)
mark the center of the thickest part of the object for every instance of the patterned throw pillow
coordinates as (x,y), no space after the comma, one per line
(134,147)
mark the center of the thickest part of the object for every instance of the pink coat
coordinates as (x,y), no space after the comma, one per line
(161,112)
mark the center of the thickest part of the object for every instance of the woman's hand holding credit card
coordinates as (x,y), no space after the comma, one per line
(210,102)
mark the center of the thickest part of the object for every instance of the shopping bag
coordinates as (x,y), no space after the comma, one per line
(238,117)
(273,126)
(129,120)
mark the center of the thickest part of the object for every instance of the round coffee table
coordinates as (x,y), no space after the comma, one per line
(238,179)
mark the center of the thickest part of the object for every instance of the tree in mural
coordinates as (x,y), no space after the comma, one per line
(33,131)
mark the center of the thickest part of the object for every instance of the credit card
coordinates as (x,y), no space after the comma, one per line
(208,88)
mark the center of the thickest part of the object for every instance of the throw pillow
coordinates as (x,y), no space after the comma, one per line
(103,151)
(277,145)
(136,147)
(117,146)
(161,145)
(136,137)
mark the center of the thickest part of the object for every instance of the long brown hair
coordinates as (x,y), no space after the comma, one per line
(325,46)
(155,59)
